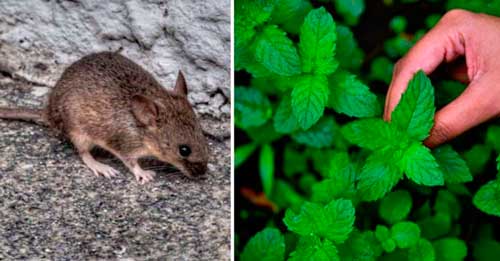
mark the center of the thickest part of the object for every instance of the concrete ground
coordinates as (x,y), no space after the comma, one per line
(52,207)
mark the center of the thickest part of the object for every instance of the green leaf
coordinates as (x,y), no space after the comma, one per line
(266,168)
(450,249)
(339,182)
(372,134)
(398,24)
(381,69)
(379,174)
(383,235)
(321,135)
(309,98)
(405,234)
(395,206)
(487,198)
(348,53)
(421,167)
(263,134)
(350,10)
(251,108)
(286,10)
(333,221)
(294,161)
(276,52)
(360,246)
(422,251)
(317,43)
(493,137)
(454,168)
(242,153)
(268,245)
(477,157)
(448,204)
(486,250)
(248,15)
(284,195)
(350,96)
(415,111)
(313,249)
(435,226)
(284,119)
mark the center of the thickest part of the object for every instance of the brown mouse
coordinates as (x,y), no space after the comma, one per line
(106,100)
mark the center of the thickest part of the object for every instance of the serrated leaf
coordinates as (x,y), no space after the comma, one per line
(450,249)
(340,180)
(286,10)
(248,15)
(422,251)
(395,206)
(421,167)
(309,98)
(350,10)
(276,52)
(317,43)
(314,249)
(251,108)
(379,174)
(242,153)
(360,246)
(414,113)
(405,234)
(454,168)
(266,168)
(372,134)
(487,198)
(268,245)
(350,96)
(284,119)
(321,135)
(348,53)
(333,221)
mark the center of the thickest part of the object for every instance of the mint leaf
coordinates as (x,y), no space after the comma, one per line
(360,246)
(448,204)
(312,248)
(322,134)
(379,174)
(348,53)
(251,108)
(422,251)
(381,69)
(414,113)
(276,52)
(350,10)
(405,234)
(350,96)
(454,168)
(248,15)
(372,134)
(421,167)
(284,119)
(487,198)
(395,206)
(333,221)
(242,153)
(317,43)
(450,249)
(340,181)
(266,168)
(285,10)
(268,245)
(383,235)
(435,226)
(309,98)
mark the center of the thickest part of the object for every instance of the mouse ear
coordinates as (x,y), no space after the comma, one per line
(145,110)
(180,84)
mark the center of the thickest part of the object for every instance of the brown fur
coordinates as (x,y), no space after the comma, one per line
(106,100)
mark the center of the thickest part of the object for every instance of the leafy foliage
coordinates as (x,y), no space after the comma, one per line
(319,173)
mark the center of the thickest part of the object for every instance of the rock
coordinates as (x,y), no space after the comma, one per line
(52,206)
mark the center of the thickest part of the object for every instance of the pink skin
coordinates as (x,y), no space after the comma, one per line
(458,33)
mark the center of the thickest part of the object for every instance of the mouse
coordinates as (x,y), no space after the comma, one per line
(106,100)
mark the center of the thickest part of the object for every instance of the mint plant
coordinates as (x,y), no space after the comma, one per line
(319,174)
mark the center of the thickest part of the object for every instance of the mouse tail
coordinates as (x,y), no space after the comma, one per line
(24,114)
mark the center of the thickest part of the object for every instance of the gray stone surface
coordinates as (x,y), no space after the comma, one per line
(51,205)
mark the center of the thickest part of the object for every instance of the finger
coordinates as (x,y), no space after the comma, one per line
(474,106)
(445,42)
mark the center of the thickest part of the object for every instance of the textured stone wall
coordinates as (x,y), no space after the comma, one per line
(52,207)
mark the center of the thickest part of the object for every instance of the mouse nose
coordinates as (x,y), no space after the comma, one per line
(198,169)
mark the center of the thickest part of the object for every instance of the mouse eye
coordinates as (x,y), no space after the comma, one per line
(184,150)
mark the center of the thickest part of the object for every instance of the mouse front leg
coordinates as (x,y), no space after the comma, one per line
(84,145)
(141,175)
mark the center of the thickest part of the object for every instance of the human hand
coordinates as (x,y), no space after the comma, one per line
(458,33)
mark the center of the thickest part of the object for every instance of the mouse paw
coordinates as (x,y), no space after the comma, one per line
(144,176)
(104,170)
